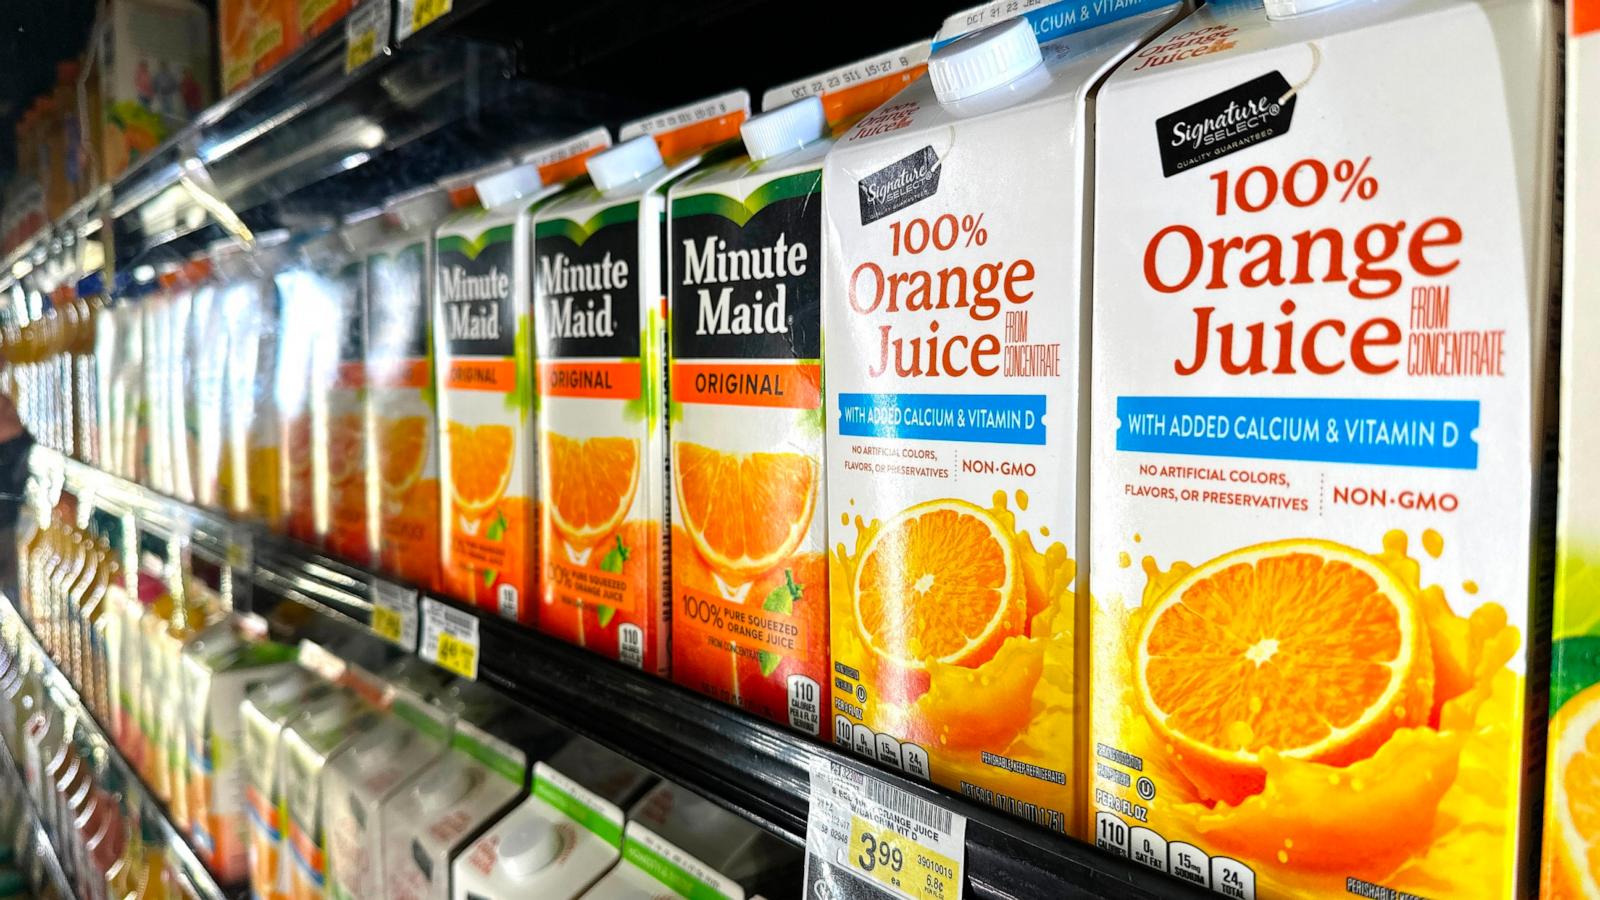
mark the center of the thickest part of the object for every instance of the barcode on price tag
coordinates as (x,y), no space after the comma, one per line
(449,638)
(415,15)
(394,613)
(366,33)
(868,839)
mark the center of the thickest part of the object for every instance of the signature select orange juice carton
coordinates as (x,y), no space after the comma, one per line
(1317,425)
(600,313)
(404,429)
(952,308)
(1573,769)
(749,536)
(485,384)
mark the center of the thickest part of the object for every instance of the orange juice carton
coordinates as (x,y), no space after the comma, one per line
(954,304)
(152,62)
(258,376)
(748,541)
(308,742)
(410,737)
(313,17)
(156,314)
(263,714)
(236,32)
(312,289)
(1571,788)
(486,381)
(205,371)
(447,806)
(344,482)
(403,433)
(600,315)
(277,32)
(556,843)
(1317,426)
(219,672)
(175,366)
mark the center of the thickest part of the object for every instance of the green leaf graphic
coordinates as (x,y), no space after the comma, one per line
(798,185)
(783,597)
(497,528)
(769,662)
(605,614)
(489,575)
(580,232)
(613,560)
(470,247)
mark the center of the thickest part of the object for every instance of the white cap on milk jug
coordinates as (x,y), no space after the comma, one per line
(624,162)
(984,60)
(434,794)
(529,846)
(508,185)
(1287,9)
(789,127)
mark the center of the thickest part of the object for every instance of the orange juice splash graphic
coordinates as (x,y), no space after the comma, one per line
(1420,808)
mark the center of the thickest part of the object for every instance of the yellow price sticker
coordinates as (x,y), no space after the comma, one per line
(456,655)
(901,863)
(360,49)
(387,623)
(425,11)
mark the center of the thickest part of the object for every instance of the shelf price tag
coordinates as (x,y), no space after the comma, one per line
(394,613)
(366,32)
(417,14)
(449,638)
(868,839)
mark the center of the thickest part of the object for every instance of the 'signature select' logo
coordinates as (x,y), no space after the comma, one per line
(899,184)
(1258,110)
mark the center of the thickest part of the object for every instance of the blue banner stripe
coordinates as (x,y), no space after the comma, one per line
(969,418)
(1433,434)
(1069,16)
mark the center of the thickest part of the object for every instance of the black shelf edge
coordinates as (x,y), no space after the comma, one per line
(750,766)
(46,848)
(198,879)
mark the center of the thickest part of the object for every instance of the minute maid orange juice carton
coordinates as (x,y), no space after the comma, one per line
(485,379)
(1573,771)
(952,304)
(1318,391)
(404,429)
(345,480)
(749,571)
(600,314)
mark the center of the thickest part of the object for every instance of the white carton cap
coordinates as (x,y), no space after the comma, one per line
(984,60)
(529,846)
(434,794)
(508,186)
(789,127)
(624,162)
(418,208)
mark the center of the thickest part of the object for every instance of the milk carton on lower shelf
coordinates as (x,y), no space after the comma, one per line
(1568,868)
(308,742)
(264,713)
(445,807)
(1318,429)
(357,782)
(562,838)
(954,307)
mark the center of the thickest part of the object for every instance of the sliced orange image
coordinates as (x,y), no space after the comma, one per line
(344,448)
(939,582)
(590,486)
(1572,814)
(1304,648)
(480,467)
(403,448)
(745,512)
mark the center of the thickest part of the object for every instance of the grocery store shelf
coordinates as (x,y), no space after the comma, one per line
(197,880)
(753,767)
(49,864)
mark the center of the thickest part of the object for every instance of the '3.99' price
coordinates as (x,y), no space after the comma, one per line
(875,853)
(902,864)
